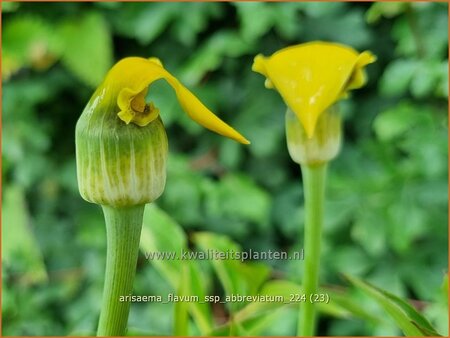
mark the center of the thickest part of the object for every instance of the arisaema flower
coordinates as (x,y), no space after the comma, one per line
(121,150)
(121,141)
(311,77)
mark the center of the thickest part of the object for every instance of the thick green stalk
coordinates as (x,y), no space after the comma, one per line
(314,189)
(123,230)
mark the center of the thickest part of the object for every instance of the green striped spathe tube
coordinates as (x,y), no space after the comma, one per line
(119,165)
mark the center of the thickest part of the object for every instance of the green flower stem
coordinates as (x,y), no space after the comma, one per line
(123,230)
(314,189)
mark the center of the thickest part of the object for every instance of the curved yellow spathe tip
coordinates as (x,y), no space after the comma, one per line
(130,79)
(312,76)
(259,66)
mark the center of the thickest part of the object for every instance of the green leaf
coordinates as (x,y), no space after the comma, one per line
(200,14)
(437,311)
(198,286)
(443,86)
(396,121)
(402,238)
(407,318)
(413,35)
(20,250)
(9,6)
(385,9)
(236,277)
(343,305)
(340,303)
(256,18)
(238,197)
(401,32)
(211,54)
(425,79)
(397,77)
(87,48)
(161,234)
(367,231)
(183,195)
(343,18)
(285,17)
(28,41)
(265,127)
(361,263)
(317,10)
(250,327)
(255,316)
(258,315)
(144,21)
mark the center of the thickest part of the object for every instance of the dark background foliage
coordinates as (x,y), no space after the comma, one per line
(386,211)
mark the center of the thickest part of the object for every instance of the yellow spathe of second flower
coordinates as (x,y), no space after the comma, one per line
(312,76)
(128,82)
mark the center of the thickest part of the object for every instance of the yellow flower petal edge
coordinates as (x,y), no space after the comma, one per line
(129,80)
(312,76)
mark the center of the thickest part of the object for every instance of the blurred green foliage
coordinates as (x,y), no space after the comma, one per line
(386,212)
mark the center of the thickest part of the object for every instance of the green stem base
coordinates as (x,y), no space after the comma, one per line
(123,231)
(314,190)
